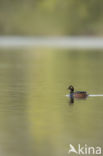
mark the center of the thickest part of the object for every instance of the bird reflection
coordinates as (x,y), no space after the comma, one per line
(71,101)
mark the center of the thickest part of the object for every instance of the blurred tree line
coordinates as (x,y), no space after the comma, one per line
(51,17)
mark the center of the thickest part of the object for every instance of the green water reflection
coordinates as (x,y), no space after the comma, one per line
(35,115)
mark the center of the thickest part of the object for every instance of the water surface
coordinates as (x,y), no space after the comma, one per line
(35,115)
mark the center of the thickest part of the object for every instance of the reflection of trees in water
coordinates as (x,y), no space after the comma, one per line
(15,139)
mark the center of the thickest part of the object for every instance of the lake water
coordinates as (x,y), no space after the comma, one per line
(35,115)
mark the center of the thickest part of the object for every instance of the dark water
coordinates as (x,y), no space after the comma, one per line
(35,115)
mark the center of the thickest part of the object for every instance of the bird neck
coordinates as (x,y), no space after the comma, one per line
(71,91)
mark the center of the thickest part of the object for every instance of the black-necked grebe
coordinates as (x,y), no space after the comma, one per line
(77,94)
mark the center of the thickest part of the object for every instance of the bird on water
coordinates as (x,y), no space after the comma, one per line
(77,94)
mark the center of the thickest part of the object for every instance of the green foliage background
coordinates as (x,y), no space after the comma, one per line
(51,17)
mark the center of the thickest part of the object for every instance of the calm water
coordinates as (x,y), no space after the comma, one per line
(35,115)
